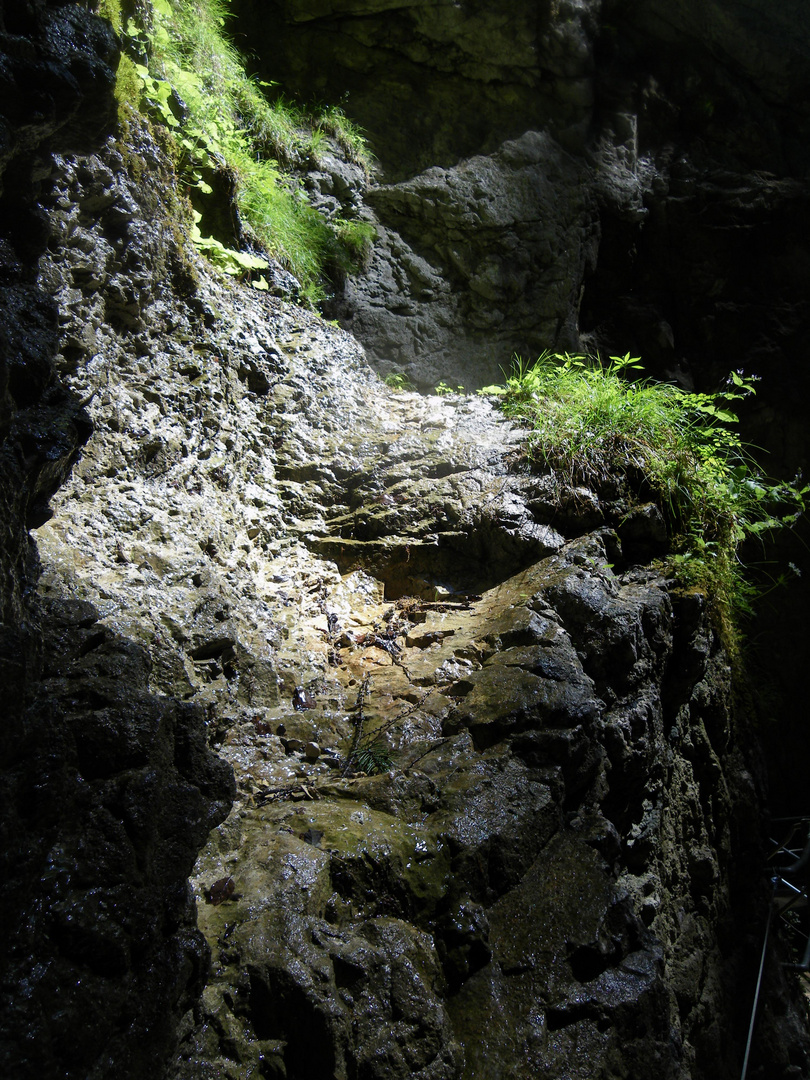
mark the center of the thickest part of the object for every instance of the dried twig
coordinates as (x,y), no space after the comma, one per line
(296,792)
(358,723)
(424,754)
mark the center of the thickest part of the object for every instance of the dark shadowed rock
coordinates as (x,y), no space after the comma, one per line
(107,791)
(497,810)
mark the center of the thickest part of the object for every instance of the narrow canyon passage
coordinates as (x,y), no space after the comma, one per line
(490,801)
(342,741)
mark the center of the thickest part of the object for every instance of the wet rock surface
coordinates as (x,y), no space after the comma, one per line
(107,792)
(658,204)
(493,812)
(491,804)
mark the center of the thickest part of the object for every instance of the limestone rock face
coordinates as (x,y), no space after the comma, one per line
(107,791)
(40,423)
(57,79)
(665,211)
(474,261)
(494,810)
(669,202)
(492,805)
(486,218)
(435,82)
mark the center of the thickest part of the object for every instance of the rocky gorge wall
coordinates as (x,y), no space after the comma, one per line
(585,174)
(631,175)
(323,565)
(107,790)
(557,868)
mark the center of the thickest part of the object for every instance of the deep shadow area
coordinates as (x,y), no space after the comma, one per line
(106,791)
(430,83)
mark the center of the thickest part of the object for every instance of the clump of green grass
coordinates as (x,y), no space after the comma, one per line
(194,82)
(589,424)
(398,380)
(334,121)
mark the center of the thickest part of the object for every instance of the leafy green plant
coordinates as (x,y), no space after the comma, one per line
(589,424)
(373,758)
(193,81)
(445,388)
(238,264)
(398,381)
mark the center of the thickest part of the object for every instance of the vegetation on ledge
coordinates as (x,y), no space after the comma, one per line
(590,424)
(229,141)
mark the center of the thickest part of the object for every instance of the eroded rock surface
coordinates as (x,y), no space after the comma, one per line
(538,822)
(494,814)
(585,174)
(107,791)
(492,807)
(669,198)
(476,261)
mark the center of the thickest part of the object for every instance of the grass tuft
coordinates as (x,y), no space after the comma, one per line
(334,121)
(590,424)
(193,81)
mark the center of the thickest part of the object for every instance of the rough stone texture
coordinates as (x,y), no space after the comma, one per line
(40,423)
(566,814)
(665,210)
(107,792)
(53,54)
(547,872)
(474,261)
(602,175)
(687,124)
(484,202)
(556,866)
(436,82)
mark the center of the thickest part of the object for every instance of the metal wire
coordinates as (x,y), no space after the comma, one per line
(774,883)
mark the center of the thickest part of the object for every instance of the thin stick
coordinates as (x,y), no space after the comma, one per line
(774,882)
